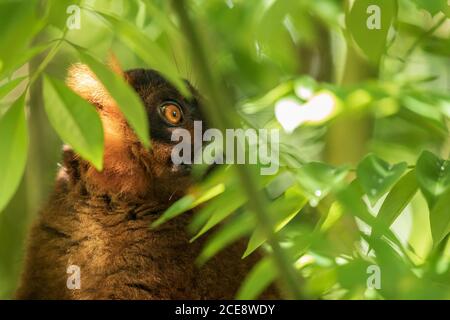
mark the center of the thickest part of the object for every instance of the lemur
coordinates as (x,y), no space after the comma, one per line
(99,220)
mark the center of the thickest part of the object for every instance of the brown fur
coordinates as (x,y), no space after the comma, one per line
(100,222)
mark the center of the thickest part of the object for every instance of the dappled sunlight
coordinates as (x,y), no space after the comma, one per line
(291,113)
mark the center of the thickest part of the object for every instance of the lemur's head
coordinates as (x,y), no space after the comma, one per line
(130,169)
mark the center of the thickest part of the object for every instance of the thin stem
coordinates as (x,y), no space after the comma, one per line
(419,40)
(219,115)
(47,59)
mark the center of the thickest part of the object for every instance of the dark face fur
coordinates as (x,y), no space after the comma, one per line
(167,111)
(129,168)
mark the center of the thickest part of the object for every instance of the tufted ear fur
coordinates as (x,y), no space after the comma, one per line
(84,82)
(123,172)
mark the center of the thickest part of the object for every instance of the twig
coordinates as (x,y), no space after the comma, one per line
(419,40)
(47,59)
(220,117)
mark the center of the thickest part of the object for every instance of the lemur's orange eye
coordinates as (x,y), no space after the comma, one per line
(172,113)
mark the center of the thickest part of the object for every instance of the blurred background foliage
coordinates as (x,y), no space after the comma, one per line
(364,179)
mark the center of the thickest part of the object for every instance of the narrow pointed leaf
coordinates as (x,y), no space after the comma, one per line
(377,176)
(318,179)
(433,175)
(223,207)
(397,199)
(283,210)
(259,278)
(126,98)
(186,203)
(368,22)
(148,50)
(440,218)
(9,86)
(229,233)
(75,120)
(13,150)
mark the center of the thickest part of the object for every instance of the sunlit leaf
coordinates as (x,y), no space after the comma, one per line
(398,279)
(282,210)
(318,179)
(440,218)
(424,113)
(368,22)
(187,203)
(377,176)
(397,199)
(280,184)
(22,58)
(19,22)
(351,199)
(75,120)
(334,214)
(148,50)
(126,98)
(229,233)
(58,14)
(433,175)
(321,281)
(259,278)
(391,267)
(13,149)
(7,87)
(223,207)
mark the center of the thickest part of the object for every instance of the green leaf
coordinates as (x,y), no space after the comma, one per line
(334,214)
(318,179)
(19,22)
(377,176)
(433,7)
(259,278)
(368,22)
(21,58)
(353,274)
(351,199)
(222,207)
(391,265)
(230,232)
(446,8)
(75,120)
(440,218)
(148,50)
(280,184)
(187,203)
(437,46)
(13,149)
(424,113)
(397,199)
(9,86)
(282,210)
(127,99)
(160,17)
(58,15)
(433,175)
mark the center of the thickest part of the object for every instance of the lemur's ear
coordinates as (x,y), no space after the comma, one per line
(122,172)
(84,82)
(114,64)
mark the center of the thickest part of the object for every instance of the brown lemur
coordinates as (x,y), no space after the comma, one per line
(99,221)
